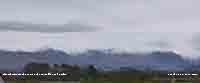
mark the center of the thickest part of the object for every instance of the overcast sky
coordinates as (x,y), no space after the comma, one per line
(130,24)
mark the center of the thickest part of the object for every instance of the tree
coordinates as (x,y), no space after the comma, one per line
(92,72)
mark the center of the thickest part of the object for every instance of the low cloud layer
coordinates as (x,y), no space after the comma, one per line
(134,42)
(46,28)
(160,43)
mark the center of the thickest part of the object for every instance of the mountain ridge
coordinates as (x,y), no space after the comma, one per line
(157,60)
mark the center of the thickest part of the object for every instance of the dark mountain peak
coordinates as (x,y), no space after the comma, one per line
(165,53)
(94,53)
(47,50)
(51,51)
(168,57)
(100,52)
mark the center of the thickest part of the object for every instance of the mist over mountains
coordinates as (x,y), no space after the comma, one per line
(102,59)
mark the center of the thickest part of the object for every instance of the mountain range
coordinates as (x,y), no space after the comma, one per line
(101,59)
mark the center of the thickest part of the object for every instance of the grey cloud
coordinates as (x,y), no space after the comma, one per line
(195,41)
(113,15)
(160,44)
(47,28)
(106,13)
